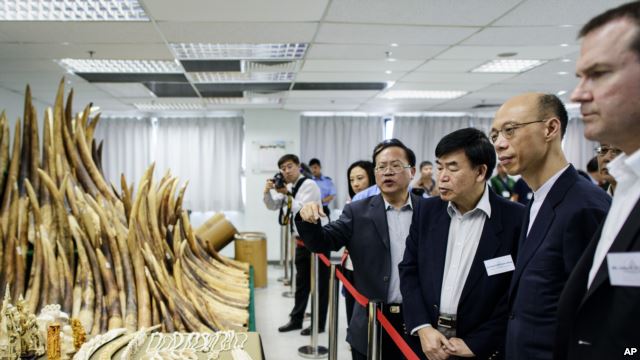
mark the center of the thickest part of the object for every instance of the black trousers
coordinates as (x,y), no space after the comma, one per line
(348,299)
(303,287)
(388,349)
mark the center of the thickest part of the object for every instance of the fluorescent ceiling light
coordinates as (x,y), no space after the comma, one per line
(422,94)
(72,10)
(244,101)
(237,77)
(194,51)
(120,66)
(169,106)
(508,66)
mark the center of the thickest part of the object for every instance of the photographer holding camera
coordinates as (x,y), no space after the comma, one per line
(287,191)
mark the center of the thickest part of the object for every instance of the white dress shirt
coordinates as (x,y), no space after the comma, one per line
(308,192)
(465,231)
(626,170)
(399,222)
(541,194)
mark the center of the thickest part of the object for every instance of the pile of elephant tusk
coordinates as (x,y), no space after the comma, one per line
(113,259)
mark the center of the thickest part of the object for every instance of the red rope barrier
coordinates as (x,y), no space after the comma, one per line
(362,300)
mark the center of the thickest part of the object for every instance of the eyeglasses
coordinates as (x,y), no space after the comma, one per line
(603,150)
(395,167)
(509,129)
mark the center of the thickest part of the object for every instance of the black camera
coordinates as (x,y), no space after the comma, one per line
(278,180)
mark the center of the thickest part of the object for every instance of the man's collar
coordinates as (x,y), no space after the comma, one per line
(483,205)
(407,205)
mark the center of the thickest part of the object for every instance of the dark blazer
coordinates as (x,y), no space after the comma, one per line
(482,311)
(362,228)
(566,221)
(603,322)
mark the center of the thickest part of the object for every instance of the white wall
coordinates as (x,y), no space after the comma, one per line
(266,126)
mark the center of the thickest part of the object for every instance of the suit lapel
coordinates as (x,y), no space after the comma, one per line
(379,217)
(489,244)
(542,223)
(622,242)
(437,238)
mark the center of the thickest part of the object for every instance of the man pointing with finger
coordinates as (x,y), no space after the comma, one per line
(374,230)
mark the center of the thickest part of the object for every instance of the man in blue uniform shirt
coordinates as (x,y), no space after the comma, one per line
(327,188)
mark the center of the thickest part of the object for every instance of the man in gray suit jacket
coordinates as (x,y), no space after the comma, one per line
(374,230)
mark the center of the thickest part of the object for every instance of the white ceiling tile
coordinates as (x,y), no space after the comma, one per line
(341,94)
(523,52)
(387,34)
(556,12)
(237,10)
(450,65)
(81,51)
(325,101)
(369,52)
(445,86)
(237,32)
(360,65)
(378,76)
(81,32)
(468,78)
(433,12)
(524,36)
(321,107)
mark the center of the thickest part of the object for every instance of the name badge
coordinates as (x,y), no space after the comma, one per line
(499,265)
(624,268)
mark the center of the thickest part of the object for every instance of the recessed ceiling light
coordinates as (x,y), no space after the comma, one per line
(508,66)
(120,66)
(394,45)
(562,73)
(422,94)
(169,106)
(564,45)
(388,72)
(561,92)
(72,10)
(566,60)
(238,77)
(566,26)
(194,51)
(391,59)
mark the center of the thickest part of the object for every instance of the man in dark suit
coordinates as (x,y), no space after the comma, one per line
(565,211)
(374,230)
(599,310)
(459,256)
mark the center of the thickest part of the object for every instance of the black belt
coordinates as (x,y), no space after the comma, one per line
(447,321)
(392,308)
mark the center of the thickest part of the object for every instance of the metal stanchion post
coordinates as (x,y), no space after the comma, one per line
(284,252)
(373,351)
(291,240)
(334,295)
(314,351)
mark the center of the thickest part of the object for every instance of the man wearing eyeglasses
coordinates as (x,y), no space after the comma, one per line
(374,230)
(599,310)
(605,153)
(565,211)
(297,191)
